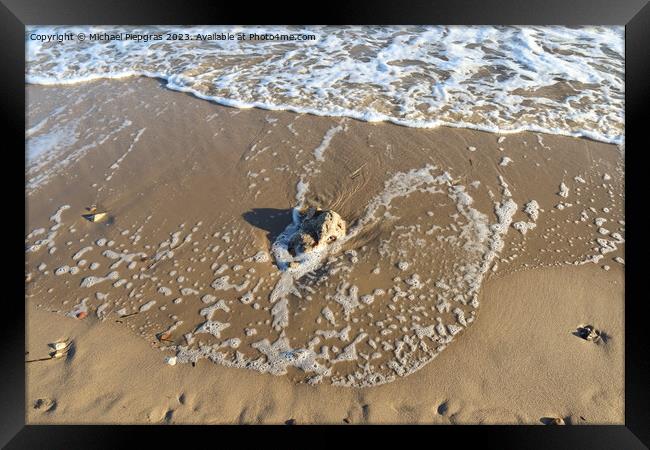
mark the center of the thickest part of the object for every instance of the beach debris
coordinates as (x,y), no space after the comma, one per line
(554,420)
(505,161)
(58,350)
(59,345)
(301,243)
(94,215)
(290,422)
(165,336)
(81,314)
(61,349)
(317,228)
(122,314)
(171,360)
(59,354)
(588,333)
(45,404)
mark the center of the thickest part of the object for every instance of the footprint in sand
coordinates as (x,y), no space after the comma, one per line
(45,404)
(358,414)
(365,412)
(555,421)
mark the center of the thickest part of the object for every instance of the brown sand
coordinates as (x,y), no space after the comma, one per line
(199,162)
(519,363)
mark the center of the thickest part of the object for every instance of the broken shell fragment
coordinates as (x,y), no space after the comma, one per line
(165,336)
(58,354)
(588,333)
(171,360)
(98,217)
(60,348)
(94,215)
(59,345)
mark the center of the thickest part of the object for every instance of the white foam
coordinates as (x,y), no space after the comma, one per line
(91,281)
(212,327)
(116,164)
(329,315)
(62,270)
(280,356)
(80,253)
(532,209)
(505,161)
(482,77)
(320,150)
(147,306)
(164,291)
(122,257)
(259,257)
(523,227)
(210,310)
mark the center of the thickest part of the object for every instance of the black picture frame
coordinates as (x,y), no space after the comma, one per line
(633,14)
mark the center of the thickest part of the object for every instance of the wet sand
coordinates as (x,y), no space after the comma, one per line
(527,368)
(227,178)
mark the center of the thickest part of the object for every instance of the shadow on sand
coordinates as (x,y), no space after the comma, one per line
(271,220)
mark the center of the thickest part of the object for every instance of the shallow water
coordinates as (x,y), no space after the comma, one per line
(557,80)
(201,193)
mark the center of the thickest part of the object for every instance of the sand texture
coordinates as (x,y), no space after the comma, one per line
(469,262)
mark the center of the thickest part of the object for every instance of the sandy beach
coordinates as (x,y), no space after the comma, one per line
(472,261)
(525,372)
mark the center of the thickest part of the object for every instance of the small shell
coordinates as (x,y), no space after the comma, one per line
(59,354)
(588,333)
(165,336)
(59,345)
(171,360)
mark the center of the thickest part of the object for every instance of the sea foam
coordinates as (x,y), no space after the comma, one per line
(558,80)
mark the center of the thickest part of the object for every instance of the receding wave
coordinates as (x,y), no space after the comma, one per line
(557,80)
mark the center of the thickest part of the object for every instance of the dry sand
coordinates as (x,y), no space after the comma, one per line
(182,160)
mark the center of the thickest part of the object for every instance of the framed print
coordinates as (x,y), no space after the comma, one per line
(388,217)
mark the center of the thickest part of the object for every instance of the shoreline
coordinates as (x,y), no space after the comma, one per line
(229,103)
(229,190)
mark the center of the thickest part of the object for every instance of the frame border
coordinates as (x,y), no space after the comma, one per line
(634,14)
